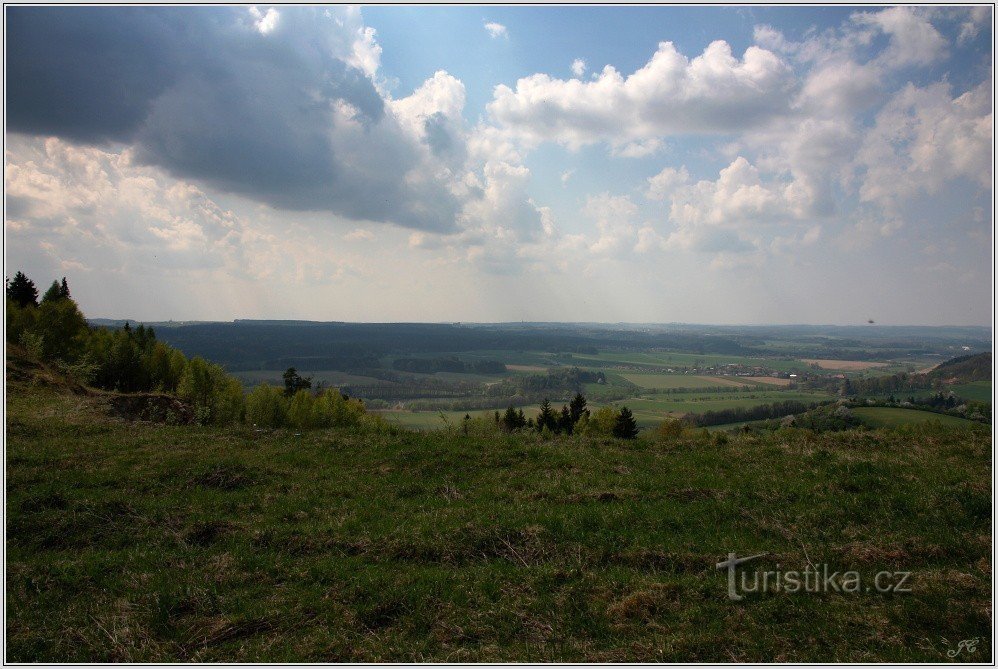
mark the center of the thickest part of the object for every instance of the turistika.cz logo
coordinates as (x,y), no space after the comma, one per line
(811,579)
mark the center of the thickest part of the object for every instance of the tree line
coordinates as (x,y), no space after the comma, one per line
(574,418)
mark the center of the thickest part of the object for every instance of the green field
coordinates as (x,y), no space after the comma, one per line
(975,390)
(665,381)
(894,416)
(143,542)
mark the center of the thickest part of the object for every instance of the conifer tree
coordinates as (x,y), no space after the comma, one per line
(546,418)
(577,407)
(52,294)
(625,427)
(64,289)
(22,291)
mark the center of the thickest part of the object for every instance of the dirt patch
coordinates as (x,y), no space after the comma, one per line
(22,369)
(643,605)
(772,380)
(152,407)
(845,365)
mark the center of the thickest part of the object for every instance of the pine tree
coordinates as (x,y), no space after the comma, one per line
(64,289)
(625,427)
(22,290)
(510,421)
(546,417)
(52,294)
(565,421)
(577,407)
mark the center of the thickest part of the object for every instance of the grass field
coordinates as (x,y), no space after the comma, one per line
(893,416)
(662,381)
(142,542)
(975,390)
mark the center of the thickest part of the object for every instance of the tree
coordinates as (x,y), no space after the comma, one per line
(266,406)
(293,382)
(577,407)
(509,420)
(22,290)
(52,294)
(625,427)
(565,423)
(546,418)
(64,289)
(216,396)
(63,329)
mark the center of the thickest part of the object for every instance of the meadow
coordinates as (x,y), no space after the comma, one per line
(893,416)
(145,542)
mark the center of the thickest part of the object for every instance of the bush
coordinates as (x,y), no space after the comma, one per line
(327,409)
(266,406)
(600,422)
(216,396)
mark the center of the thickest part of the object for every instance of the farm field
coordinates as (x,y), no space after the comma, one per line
(893,416)
(664,381)
(665,360)
(846,365)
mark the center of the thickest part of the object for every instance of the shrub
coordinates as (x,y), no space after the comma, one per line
(216,396)
(266,406)
(600,422)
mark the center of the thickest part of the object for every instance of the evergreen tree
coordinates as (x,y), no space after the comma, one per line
(546,418)
(565,421)
(510,421)
(625,427)
(64,289)
(52,294)
(22,291)
(577,407)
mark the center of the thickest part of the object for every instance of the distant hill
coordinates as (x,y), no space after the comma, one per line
(964,369)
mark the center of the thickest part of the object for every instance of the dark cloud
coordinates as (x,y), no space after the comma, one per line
(204,94)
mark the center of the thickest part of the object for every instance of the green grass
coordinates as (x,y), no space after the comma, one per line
(141,542)
(975,390)
(893,416)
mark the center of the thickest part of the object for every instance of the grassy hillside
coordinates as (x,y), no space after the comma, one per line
(145,542)
(893,416)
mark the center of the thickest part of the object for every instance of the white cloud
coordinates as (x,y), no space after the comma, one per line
(359,235)
(913,38)
(613,214)
(265,22)
(496,30)
(663,184)
(714,92)
(565,176)
(578,67)
(638,149)
(924,138)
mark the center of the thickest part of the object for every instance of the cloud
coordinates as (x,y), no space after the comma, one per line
(578,67)
(712,93)
(265,21)
(925,138)
(281,109)
(359,235)
(913,38)
(663,184)
(496,30)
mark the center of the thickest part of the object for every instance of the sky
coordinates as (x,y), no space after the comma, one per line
(611,164)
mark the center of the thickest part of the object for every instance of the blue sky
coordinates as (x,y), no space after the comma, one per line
(731,165)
